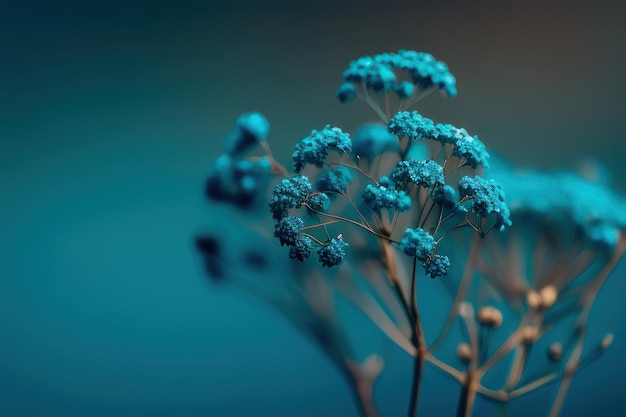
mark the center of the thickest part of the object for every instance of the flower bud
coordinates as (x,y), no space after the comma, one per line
(548,294)
(533,299)
(555,351)
(529,335)
(606,342)
(489,316)
(464,352)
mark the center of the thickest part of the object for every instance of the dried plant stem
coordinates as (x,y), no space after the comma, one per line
(468,395)
(365,397)
(380,319)
(418,368)
(462,289)
(574,360)
(517,368)
(410,308)
(417,337)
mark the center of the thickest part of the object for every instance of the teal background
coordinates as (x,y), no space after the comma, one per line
(110,115)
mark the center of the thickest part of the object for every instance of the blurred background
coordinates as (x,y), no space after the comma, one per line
(110,115)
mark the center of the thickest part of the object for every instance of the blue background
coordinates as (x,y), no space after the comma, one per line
(110,114)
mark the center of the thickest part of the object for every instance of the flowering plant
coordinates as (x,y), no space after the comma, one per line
(407,200)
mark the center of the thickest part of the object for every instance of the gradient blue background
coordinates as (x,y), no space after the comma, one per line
(110,114)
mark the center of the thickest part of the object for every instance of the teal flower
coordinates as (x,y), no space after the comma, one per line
(332,253)
(418,243)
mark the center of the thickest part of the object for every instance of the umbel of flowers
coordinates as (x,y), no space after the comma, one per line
(366,216)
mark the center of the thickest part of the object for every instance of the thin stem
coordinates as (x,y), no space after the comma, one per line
(313,238)
(354,222)
(517,368)
(417,338)
(378,317)
(418,366)
(538,383)
(313,226)
(467,397)
(343,164)
(438,223)
(462,289)
(444,367)
(344,195)
(365,96)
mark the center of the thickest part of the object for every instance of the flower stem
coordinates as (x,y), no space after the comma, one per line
(467,397)
(417,338)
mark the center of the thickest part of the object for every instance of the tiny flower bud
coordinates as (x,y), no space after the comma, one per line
(489,316)
(555,351)
(548,294)
(533,299)
(529,335)
(464,352)
(606,342)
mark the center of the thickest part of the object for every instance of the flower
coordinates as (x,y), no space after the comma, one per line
(486,199)
(378,197)
(378,73)
(346,92)
(288,229)
(319,202)
(419,243)
(445,196)
(447,133)
(437,266)
(332,253)
(239,182)
(289,193)
(411,124)
(301,248)
(313,149)
(335,179)
(473,150)
(424,173)
(371,140)
(250,129)
(376,76)
(427,72)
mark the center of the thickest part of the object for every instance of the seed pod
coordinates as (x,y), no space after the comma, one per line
(548,294)
(489,316)
(606,342)
(555,351)
(464,352)
(529,335)
(533,299)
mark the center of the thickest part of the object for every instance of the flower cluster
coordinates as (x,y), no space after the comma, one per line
(250,129)
(289,193)
(412,125)
(566,198)
(335,179)
(418,243)
(383,196)
(333,253)
(372,140)
(293,193)
(469,149)
(235,178)
(416,198)
(486,200)
(427,174)
(382,72)
(420,189)
(314,148)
